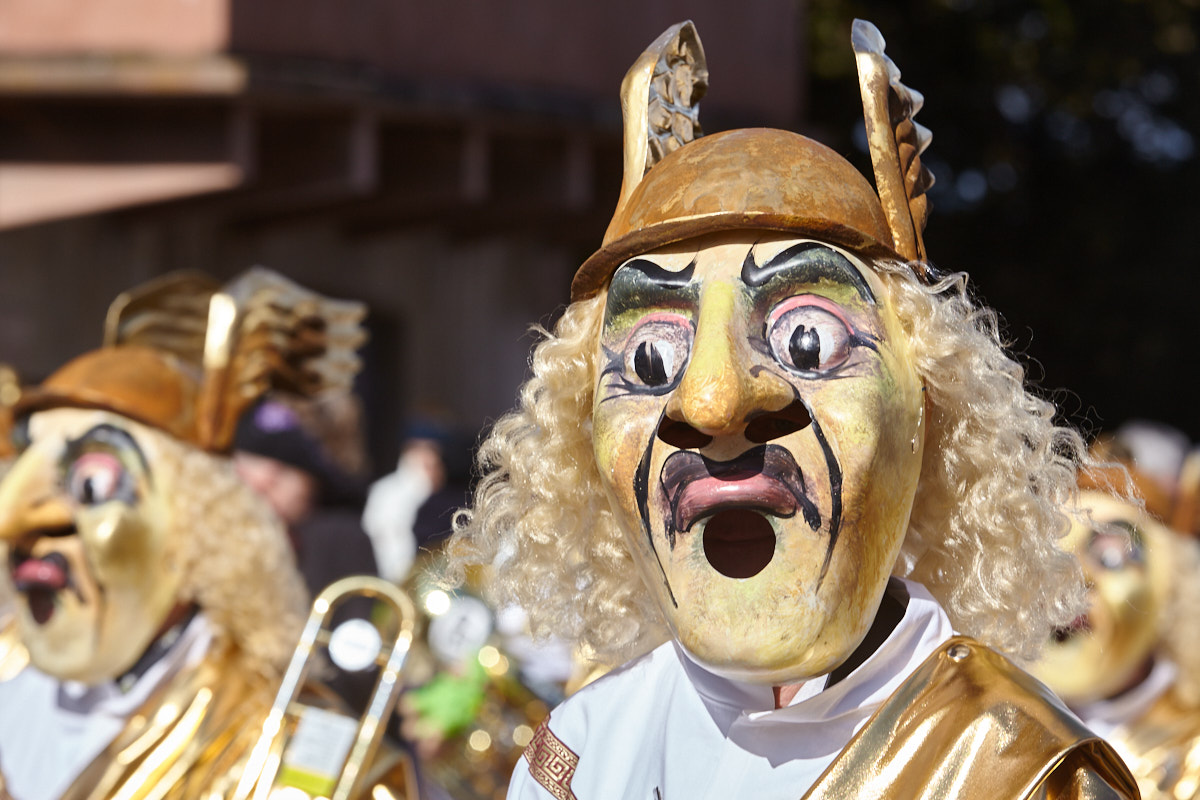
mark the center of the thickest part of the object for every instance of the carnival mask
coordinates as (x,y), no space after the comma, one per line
(84,533)
(1125,557)
(757,426)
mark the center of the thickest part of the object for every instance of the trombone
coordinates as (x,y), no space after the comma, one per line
(318,751)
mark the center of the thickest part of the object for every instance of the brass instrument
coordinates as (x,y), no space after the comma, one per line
(295,722)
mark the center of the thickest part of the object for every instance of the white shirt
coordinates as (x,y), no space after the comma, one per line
(51,730)
(663,728)
(389,515)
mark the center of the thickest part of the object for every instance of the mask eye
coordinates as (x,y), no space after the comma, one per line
(96,478)
(656,351)
(1115,547)
(806,336)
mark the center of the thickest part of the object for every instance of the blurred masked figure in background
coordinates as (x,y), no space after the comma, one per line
(157,596)
(768,443)
(1130,666)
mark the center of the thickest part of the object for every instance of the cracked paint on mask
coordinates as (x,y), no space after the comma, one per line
(753,421)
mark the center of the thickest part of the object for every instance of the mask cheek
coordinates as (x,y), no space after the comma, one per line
(622,431)
(128,558)
(116,542)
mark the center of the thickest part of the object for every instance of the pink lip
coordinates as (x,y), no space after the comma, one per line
(36,573)
(750,490)
(40,580)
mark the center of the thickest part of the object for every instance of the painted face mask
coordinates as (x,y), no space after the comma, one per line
(757,429)
(84,535)
(1125,556)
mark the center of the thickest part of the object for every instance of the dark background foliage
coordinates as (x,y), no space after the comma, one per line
(1067,155)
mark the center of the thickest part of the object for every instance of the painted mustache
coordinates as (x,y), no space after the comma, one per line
(766,479)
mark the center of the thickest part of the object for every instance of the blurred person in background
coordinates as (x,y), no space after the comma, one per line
(411,508)
(482,684)
(306,458)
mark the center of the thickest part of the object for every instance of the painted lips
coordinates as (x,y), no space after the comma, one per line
(765,479)
(40,579)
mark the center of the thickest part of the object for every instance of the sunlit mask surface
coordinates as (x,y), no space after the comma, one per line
(84,537)
(1125,557)
(756,426)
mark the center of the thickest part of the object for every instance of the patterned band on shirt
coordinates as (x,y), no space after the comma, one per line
(551,763)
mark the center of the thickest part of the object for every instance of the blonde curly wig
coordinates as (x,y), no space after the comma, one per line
(234,555)
(996,477)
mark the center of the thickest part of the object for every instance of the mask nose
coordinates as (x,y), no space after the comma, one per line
(31,498)
(720,393)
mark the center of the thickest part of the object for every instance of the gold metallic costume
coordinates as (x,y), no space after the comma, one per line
(193,737)
(968,724)
(190,739)
(1163,749)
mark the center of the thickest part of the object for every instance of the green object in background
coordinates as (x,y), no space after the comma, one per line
(450,702)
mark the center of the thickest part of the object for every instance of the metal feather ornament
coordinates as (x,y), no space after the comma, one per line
(660,102)
(266,332)
(896,142)
(168,313)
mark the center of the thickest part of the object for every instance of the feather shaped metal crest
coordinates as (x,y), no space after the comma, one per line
(660,102)
(168,313)
(266,332)
(896,142)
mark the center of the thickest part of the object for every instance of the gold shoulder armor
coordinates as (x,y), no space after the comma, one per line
(969,724)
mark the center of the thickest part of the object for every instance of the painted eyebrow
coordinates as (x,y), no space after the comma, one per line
(659,276)
(812,260)
(111,436)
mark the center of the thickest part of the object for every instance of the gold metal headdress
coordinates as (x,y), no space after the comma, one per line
(188,356)
(896,141)
(678,185)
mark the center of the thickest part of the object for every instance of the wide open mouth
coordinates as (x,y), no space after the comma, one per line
(738,542)
(41,578)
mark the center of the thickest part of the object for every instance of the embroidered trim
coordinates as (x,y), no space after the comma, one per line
(551,763)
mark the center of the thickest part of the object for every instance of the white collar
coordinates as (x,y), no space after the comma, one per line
(117,701)
(849,702)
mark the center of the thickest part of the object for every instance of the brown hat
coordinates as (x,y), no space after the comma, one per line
(677,186)
(144,384)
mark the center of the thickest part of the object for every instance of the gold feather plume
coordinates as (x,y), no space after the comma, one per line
(259,332)
(266,332)
(660,102)
(168,313)
(896,141)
